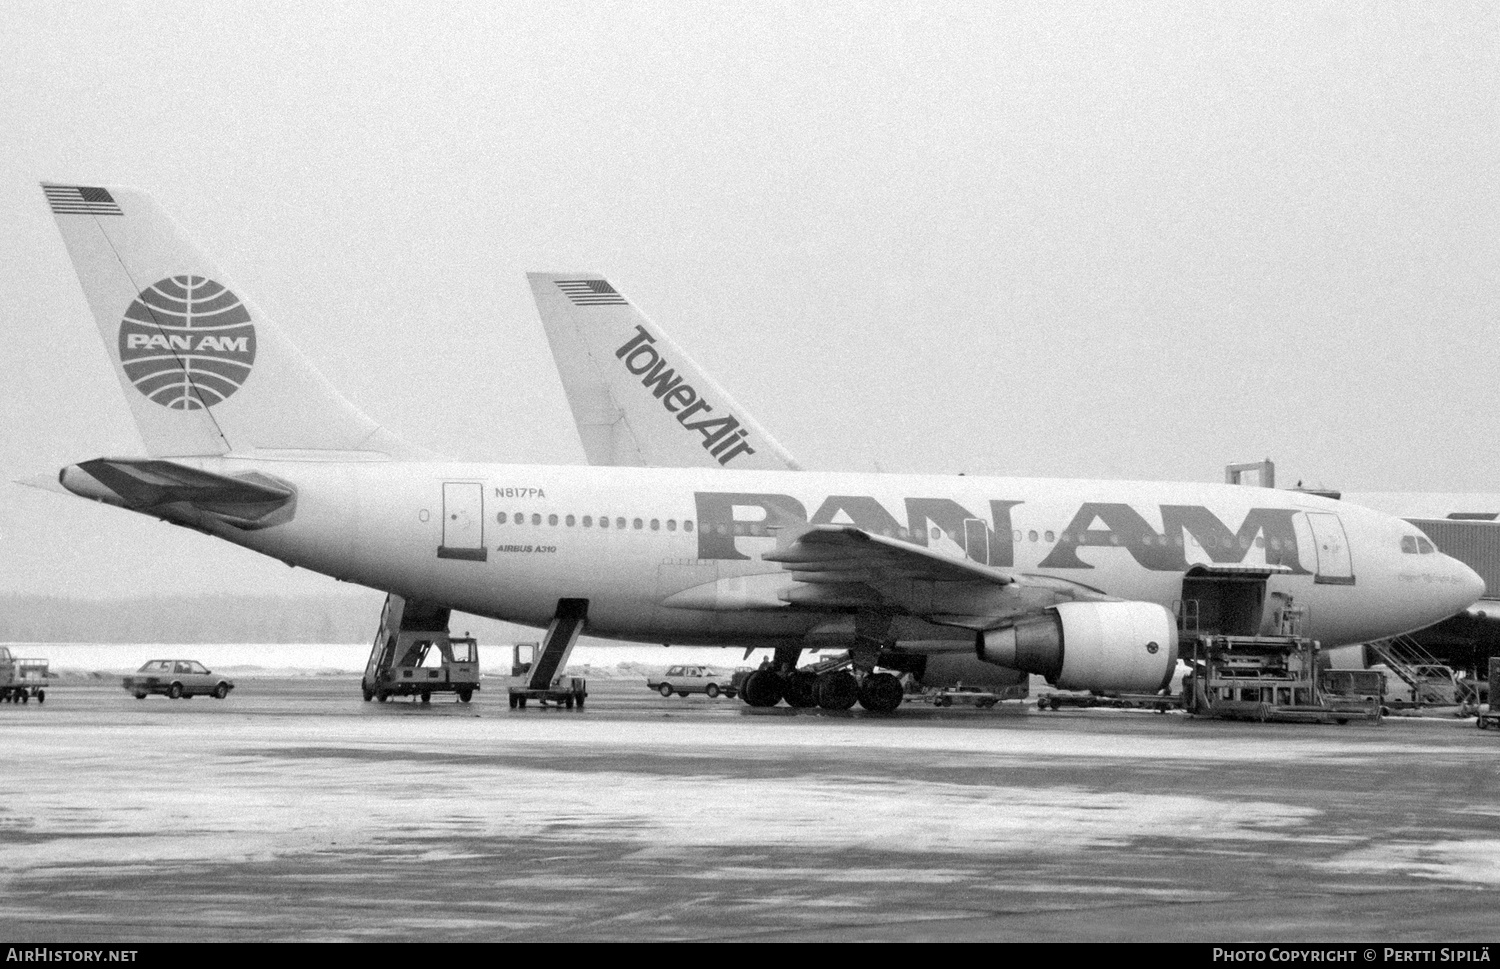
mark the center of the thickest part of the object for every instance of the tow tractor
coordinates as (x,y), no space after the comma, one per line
(400,660)
(537,671)
(21,679)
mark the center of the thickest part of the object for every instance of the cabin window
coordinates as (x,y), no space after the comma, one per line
(656,524)
(603,521)
(937,533)
(552,519)
(671,524)
(1049,536)
(1015,536)
(520,518)
(569,520)
(687,526)
(588,521)
(636,524)
(536,519)
(500,518)
(1031,535)
(620,523)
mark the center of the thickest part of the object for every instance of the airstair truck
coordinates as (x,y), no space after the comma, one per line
(414,655)
(539,673)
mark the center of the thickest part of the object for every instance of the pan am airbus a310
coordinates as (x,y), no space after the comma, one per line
(1074,580)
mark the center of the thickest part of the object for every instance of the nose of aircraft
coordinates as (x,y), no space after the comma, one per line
(1468,586)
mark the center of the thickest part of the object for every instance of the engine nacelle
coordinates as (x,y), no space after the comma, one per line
(1112,647)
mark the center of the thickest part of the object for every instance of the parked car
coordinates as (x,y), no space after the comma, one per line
(176,678)
(683,680)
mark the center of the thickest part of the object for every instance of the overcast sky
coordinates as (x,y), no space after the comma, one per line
(1105,240)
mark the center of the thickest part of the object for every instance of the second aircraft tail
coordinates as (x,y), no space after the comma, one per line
(638,399)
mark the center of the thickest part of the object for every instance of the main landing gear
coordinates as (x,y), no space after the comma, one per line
(836,689)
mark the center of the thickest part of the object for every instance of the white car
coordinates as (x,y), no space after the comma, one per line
(178,679)
(683,680)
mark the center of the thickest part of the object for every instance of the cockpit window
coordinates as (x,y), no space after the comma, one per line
(1409,544)
(1425,547)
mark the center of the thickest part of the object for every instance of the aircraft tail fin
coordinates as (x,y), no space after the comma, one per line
(205,372)
(638,399)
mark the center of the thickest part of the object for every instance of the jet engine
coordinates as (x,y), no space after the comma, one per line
(1112,647)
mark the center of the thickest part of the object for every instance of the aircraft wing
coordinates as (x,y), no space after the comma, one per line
(637,398)
(836,566)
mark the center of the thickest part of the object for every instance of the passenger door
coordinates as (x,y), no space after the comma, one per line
(463,521)
(1335,567)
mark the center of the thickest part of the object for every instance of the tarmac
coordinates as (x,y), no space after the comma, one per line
(294,810)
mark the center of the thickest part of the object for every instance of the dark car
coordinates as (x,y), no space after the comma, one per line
(176,678)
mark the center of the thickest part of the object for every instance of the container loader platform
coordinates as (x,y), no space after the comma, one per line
(538,672)
(1274,678)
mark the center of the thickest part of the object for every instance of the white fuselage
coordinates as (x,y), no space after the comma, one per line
(509,541)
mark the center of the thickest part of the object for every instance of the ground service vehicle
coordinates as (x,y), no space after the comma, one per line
(1489,715)
(179,679)
(1425,686)
(683,680)
(414,655)
(22,679)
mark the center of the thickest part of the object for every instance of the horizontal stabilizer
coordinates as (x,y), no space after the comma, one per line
(179,493)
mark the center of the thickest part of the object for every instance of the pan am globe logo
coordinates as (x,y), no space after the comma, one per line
(187,342)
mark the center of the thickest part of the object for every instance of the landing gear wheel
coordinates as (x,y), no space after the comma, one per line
(665,689)
(763,688)
(836,691)
(712,691)
(175,691)
(799,688)
(880,693)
